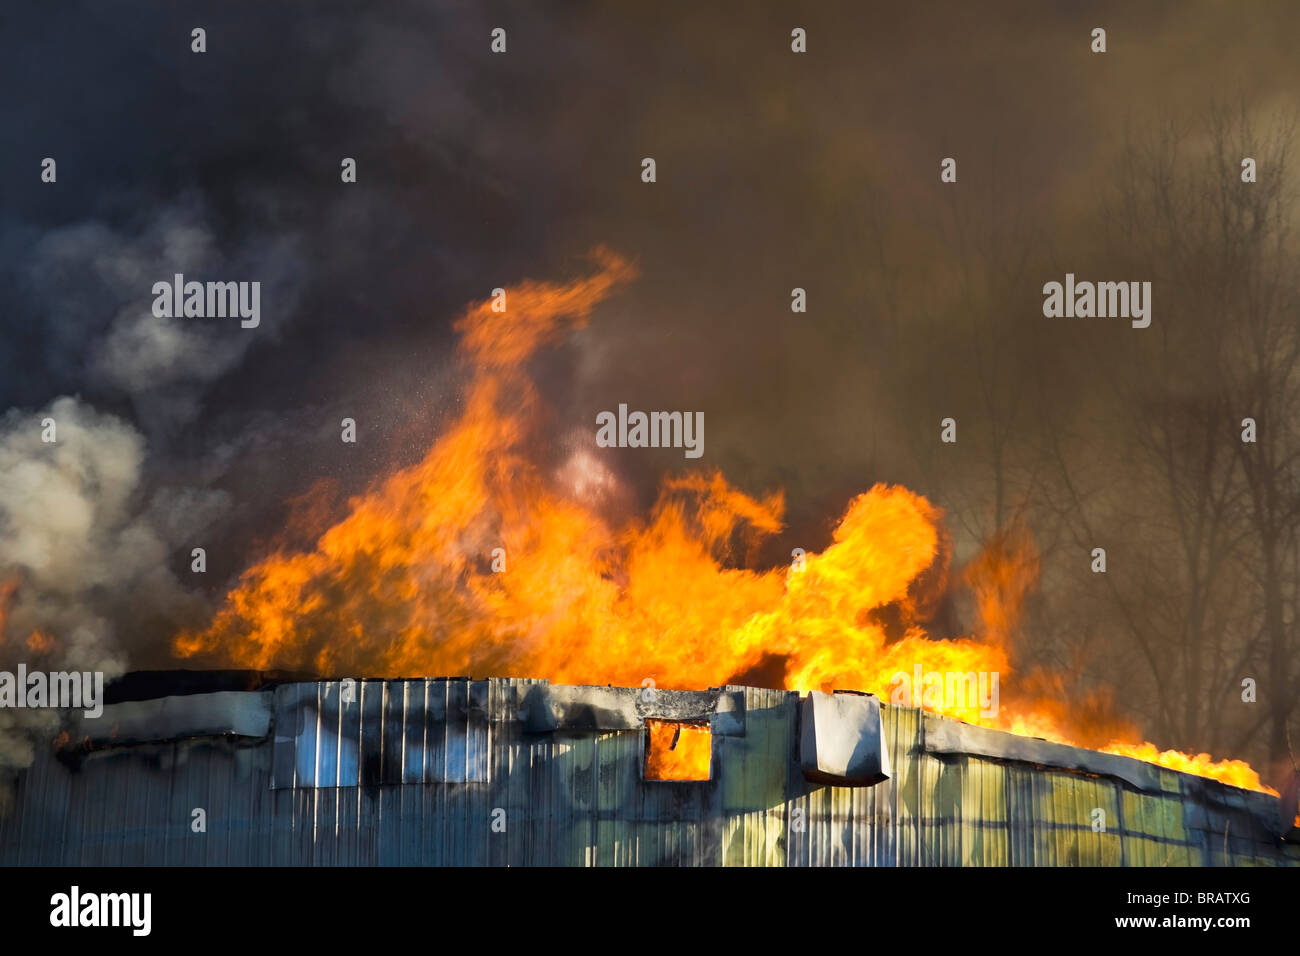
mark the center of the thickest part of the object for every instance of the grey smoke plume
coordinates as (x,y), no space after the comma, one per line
(88,561)
(90,272)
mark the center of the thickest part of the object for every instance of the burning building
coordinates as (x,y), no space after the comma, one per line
(503,552)
(245,771)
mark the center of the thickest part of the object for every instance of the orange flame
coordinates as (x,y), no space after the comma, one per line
(38,642)
(410,581)
(8,587)
(677,751)
(14,647)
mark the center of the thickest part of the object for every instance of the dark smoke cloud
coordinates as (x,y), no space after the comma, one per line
(96,281)
(775,171)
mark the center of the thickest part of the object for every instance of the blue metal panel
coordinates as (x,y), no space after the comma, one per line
(415,772)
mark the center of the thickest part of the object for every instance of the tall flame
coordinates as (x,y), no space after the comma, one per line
(406,583)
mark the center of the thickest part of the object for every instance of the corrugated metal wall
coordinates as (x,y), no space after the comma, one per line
(418,772)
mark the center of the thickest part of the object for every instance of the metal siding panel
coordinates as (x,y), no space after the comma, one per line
(477,732)
(22,848)
(456,736)
(284,736)
(307,744)
(392,733)
(413,730)
(435,731)
(216,796)
(329,727)
(370,752)
(349,746)
(575,798)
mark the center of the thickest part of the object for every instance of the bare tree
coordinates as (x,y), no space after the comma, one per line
(1207,522)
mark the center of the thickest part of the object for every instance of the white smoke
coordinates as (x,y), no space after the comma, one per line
(86,556)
